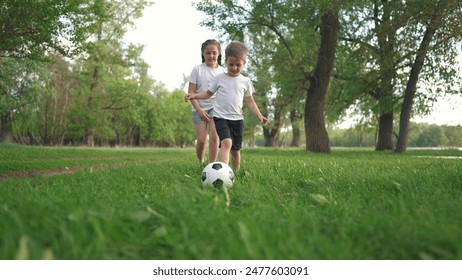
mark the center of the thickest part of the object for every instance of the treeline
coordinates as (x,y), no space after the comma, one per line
(420,135)
(59,102)
(127,108)
(315,60)
(68,78)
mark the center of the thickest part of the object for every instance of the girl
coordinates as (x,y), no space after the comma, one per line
(202,111)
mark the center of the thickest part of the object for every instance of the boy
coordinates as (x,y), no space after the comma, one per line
(231,88)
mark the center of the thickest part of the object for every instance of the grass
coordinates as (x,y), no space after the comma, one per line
(101,203)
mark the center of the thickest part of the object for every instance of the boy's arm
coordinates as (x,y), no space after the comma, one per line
(192,88)
(200,95)
(254,109)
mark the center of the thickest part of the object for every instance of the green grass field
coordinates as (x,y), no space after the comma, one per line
(101,203)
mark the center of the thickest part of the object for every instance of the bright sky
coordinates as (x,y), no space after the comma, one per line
(172,37)
(447,111)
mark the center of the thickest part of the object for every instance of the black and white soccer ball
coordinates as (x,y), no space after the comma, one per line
(217,174)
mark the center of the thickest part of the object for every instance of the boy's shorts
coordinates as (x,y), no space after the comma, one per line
(195,116)
(230,129)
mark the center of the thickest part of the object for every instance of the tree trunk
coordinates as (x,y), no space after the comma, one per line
(271,139)
(385,135)
(317,139)
(6,132)
(296,137)
(271,134)
(409,93)
(296,133)
(386,38)
(89,130)
(360,134)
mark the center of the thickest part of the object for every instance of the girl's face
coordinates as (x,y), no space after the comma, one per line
(235,65)
(211,54)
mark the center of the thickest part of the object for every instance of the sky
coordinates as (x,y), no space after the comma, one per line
(172,37)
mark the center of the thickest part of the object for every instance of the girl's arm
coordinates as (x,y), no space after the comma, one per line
(254,109)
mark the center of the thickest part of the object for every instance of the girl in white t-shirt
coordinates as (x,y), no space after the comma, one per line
(202,111)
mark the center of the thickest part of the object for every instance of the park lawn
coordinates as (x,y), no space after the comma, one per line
(146,203)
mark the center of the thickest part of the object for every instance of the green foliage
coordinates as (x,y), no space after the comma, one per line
(283,41)
(128,107)
(30,28)
(172,119)
(431,136)
(136,204)
(17,82)
(420,135)
(90,82)
(378,44)
(105,92)
(404,50)
(352,137)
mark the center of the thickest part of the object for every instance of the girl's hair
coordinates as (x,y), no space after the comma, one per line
(211,42)
(236,49)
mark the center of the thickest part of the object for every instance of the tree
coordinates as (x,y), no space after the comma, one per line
(17,81)
(105,54)
(453,135)
(431,136)
(371,34)
(441,12)
(385,36)
(317,139)
(53,101)
(29,29)
(171,119)
(285,19)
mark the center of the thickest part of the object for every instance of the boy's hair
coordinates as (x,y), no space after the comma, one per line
(236,49)
(211,42)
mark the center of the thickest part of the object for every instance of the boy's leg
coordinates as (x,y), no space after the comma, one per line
(237,128)
(224,134)
(225,149)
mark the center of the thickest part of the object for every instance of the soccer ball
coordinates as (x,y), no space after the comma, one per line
(217,174)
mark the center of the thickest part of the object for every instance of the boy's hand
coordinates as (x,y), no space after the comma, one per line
(188,97)
(264,120)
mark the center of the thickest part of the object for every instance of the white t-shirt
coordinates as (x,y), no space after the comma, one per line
(202,76)
(230,92)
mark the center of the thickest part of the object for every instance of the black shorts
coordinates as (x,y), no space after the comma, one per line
(230,129)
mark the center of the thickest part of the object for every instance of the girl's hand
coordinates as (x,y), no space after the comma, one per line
(204,116)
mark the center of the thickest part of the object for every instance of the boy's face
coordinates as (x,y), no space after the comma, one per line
(234,65)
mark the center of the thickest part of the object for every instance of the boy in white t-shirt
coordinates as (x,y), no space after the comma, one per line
(230,89)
